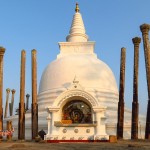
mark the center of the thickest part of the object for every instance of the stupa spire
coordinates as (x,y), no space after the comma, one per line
(77,8)
(77,31)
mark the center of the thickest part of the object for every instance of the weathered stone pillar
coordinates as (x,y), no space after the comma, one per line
(2,51)
(7,99)
(135,105)
(9,128)
(120,123)
(12,100)
(145,29)
(34,104)
(21,121)
(27,101)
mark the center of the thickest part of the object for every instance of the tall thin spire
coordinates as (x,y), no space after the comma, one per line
(77,31)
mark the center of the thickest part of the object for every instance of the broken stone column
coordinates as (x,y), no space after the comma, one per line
(27,101)
(135,105)
(2,51)
(21,121)
(121,95)
(34,104)
(12,100)
(7,100)
(145,29)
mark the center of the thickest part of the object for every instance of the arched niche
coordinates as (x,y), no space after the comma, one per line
(75,94)
(77,111)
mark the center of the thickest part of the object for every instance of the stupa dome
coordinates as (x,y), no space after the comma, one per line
(90,71)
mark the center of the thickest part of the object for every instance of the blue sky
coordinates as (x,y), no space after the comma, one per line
(41,24)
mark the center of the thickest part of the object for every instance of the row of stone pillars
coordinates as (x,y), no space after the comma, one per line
(135,105)
(34,106)
(11,105)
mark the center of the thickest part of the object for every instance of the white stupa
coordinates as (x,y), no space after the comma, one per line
(78,94)
(78,89)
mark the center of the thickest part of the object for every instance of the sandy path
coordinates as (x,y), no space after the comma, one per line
(120,145)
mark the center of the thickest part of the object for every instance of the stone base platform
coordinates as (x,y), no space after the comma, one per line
(84,138)
(75,141)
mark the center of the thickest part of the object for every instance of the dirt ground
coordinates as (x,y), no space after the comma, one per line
(120,145)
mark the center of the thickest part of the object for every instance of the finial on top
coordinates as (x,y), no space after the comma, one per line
(77,8)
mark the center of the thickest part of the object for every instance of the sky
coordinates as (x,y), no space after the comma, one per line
(41,24)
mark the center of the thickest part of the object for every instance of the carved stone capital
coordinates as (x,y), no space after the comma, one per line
(27,95)
(136,40)
(33,51)
(2,51)
(8,90)
(52,109)
(99,109)
(13,91)
(145,28)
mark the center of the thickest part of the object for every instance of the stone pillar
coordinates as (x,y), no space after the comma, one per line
(49,123)
(21,121)
(34,96)
(27,101)
(9,128)
(2,51)
(50,119)
(135,105)
(145,29)
(10,109)
(120,123)
(12,100)
(7,99)
(98,127)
